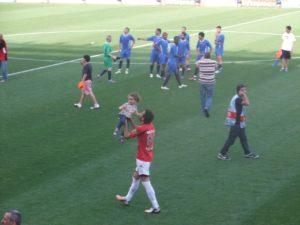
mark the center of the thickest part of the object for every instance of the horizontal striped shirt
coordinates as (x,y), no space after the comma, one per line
(207,69)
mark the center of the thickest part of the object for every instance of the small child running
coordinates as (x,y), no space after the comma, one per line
(126,111)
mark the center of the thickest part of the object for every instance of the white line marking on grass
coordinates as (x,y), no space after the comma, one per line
(66,62)
(146,45)
(257,33)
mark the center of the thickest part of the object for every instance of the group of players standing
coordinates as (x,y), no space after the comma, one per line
(171,57)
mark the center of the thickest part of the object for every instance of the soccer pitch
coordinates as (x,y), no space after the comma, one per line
(60,165)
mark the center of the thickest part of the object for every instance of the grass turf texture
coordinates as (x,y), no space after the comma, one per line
(60,165)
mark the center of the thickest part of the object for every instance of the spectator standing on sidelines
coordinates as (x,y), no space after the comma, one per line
(3,59)
(207,69)
(287,47)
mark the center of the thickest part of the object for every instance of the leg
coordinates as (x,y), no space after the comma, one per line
(150,191)
(209,96)
(244,141)
(166,80)
(120,64)
(178,78)
(4,70)
(134,187)
(157,68)
(202,96)
(233,133)
(127,63)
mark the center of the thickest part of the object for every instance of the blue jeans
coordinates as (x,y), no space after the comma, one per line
(121,122)
(3,65)
(206,95)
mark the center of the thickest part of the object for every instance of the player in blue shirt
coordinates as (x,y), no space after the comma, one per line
(203,46)
(126,43)
(183,46)
(163,44)
(173,65)
(155,52)
(219,42)
(187,37)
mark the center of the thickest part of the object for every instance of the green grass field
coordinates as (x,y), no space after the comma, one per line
(60,165)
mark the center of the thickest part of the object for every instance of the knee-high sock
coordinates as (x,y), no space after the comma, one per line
(128,63)
(166,80)
(157,68)
(178,78)
(120,64)
(103,72)
(133,188)
(109,75)
(150,193)
(151,68)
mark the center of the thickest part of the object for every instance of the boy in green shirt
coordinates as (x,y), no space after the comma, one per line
(108,59)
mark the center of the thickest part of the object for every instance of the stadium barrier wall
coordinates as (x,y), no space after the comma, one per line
(202,3)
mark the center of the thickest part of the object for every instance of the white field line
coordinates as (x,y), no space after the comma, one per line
(257,33)
(146,45)
(147,63)
(140,30)
(66,62)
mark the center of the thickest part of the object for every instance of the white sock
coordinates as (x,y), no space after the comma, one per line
(151,194)
(133,188)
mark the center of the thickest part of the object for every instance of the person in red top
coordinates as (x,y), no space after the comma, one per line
(145,133)
(3,59)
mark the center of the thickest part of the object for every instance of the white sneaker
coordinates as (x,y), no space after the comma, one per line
(282,69)
(217,71)
(97,106)
(151,75)
(118,71)
(164,88)
(112,81)
(286,69)
(152,210)
(78,105)
(182,86)
(158,76)
(127,71)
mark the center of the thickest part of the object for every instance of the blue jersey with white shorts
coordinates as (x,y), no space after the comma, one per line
(173,59)
(183,46)
(219,42)
(126,41)
(203,47)
(156,50)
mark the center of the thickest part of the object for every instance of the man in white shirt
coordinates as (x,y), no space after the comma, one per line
(287,47)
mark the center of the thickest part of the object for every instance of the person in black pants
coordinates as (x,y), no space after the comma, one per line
(236,119)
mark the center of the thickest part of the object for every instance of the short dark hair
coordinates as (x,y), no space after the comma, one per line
(87,58)
(239,87)
(201,34)
(219,27)
(288,27)
(148,116)
(207,55)
(158,29)
(15,216)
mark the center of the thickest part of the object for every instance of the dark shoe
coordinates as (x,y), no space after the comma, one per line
(252,156)
(206,113)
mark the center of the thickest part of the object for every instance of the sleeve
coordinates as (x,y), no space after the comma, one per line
(209,45)
(238,103)
(150,38)
(135,132)
(132,38)
(120,39)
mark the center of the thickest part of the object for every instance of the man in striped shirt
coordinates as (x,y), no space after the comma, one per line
(207,78)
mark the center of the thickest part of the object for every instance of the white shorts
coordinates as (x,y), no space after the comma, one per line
(142,167)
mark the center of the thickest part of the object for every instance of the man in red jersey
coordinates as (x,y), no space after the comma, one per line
(145,133)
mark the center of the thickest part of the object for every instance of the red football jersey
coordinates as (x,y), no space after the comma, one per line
(145,134)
